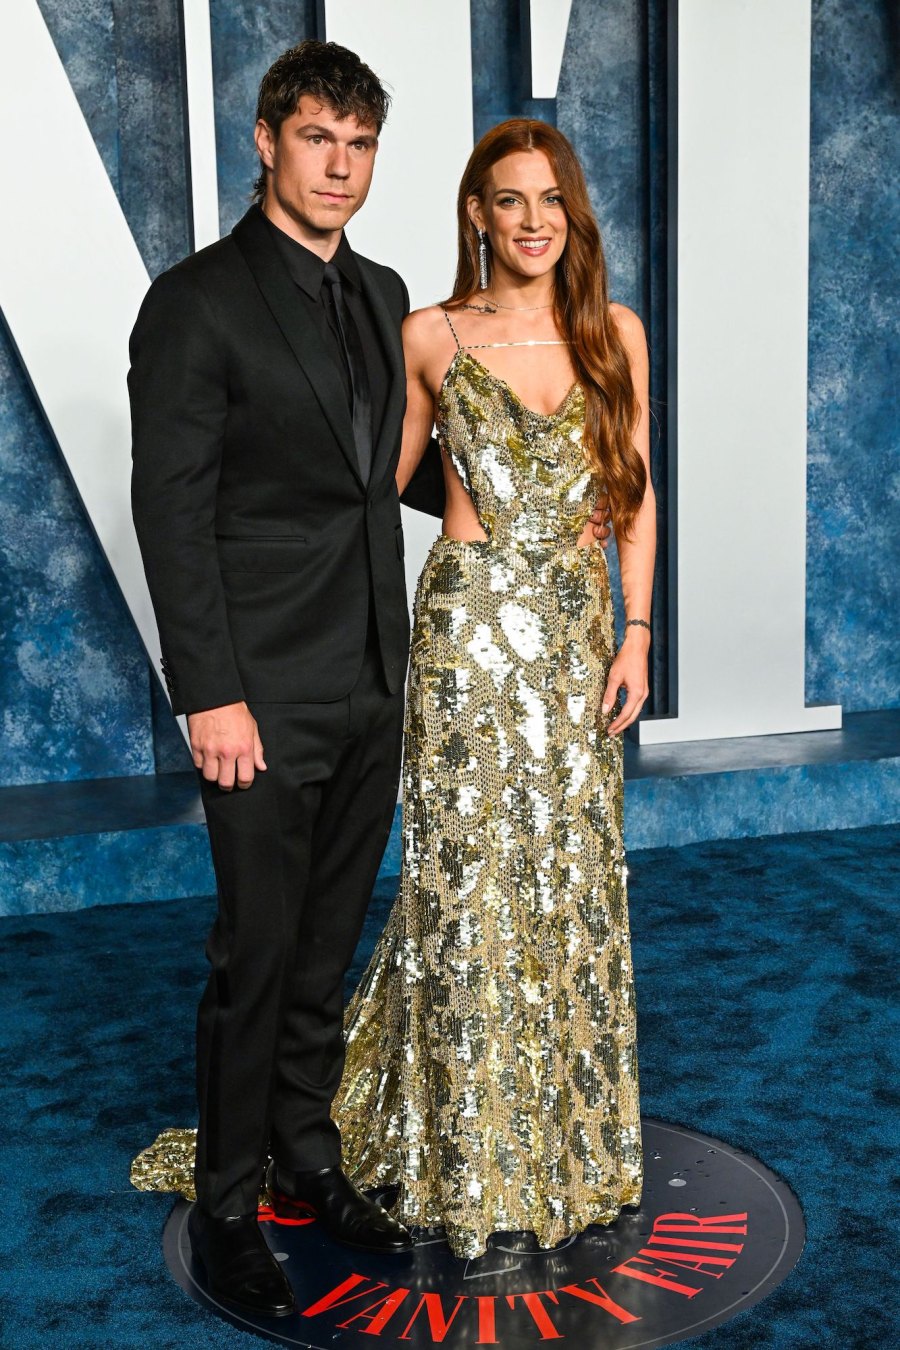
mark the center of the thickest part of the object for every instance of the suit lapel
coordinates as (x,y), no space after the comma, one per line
(251,234)
(389,332)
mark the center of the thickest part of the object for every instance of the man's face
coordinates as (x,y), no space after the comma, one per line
(321,167)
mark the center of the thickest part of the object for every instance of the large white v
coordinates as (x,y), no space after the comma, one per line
(72,279)
(71,283)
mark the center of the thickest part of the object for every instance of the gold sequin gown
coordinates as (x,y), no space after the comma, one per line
(491,1053)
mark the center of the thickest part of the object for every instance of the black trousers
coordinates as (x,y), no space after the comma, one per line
(296,856)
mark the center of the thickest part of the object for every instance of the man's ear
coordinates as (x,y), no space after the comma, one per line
(265,139)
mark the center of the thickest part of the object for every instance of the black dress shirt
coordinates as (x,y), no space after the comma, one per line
(307,270)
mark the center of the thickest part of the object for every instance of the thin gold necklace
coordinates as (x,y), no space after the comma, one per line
(519,309)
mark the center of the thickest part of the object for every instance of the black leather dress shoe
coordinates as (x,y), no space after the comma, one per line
(240,1270)
(344,1212)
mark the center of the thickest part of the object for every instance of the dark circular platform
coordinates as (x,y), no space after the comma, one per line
(716,1232)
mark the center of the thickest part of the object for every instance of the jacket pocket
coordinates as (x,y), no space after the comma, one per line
(289,553)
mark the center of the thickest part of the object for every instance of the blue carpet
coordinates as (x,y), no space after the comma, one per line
(766,973)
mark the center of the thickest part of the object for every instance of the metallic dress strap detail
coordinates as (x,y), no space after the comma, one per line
(532,342)
(484,346)
(452,329)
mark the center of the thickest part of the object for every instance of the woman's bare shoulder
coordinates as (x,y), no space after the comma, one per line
(631,330)
(425,333)
(632,336)
(422,324)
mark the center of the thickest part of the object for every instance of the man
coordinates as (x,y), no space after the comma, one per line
(268,390)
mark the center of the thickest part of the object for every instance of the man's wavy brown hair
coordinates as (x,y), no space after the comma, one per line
(581,306)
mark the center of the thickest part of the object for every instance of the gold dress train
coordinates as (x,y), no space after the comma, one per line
(491,1058)
(491,1054)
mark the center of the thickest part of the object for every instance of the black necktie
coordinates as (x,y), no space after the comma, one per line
(356,365)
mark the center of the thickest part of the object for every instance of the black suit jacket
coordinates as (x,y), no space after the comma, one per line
(260,541)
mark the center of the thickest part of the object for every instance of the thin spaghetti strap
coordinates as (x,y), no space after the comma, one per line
(452,329)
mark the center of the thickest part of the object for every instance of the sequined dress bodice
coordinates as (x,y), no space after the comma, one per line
(526,472)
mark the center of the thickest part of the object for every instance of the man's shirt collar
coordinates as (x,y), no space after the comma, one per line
(307,269)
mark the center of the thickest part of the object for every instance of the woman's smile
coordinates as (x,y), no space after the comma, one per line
(535,247)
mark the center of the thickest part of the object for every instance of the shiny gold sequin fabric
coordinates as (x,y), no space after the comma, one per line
(491,1057)
(168,1164)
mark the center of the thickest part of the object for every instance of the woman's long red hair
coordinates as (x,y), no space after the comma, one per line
(581,306)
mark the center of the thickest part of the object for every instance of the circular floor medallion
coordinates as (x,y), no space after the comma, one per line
(716,1232)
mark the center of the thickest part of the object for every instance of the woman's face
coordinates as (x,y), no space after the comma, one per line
(523,215)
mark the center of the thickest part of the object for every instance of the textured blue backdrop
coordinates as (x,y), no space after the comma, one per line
(75,680)
(854,357)
(76,692)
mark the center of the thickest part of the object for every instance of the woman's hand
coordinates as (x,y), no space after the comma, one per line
(601,520)
(629,669)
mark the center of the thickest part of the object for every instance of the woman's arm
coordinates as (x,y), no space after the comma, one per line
(637,552)
(426,491)
(418,421)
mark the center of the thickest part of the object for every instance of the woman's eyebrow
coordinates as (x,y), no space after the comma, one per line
(517,192)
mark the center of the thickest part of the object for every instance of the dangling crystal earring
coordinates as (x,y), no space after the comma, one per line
(482,261)
(566,270)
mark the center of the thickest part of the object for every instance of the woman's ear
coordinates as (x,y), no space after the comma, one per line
(476,215)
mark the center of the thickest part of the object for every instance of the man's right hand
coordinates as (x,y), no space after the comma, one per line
(226,746)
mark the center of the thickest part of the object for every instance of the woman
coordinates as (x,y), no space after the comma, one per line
(491,1067)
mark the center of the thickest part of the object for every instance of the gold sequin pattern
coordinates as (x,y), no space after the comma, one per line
(491,1050)
(168,1164)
